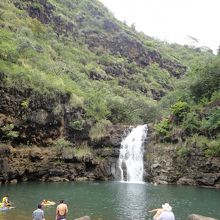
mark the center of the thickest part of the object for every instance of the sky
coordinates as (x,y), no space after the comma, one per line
(172,20)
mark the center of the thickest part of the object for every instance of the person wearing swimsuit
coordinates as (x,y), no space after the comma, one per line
(61,211)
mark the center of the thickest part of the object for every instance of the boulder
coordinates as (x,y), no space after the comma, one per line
(199,217)
(14,181)
(5,151)
(186,181)
(57,179)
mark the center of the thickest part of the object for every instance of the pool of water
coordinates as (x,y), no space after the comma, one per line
(110,200)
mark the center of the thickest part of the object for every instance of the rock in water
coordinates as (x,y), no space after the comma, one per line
(199,217)
(83,218)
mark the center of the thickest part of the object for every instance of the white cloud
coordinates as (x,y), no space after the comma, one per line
(172,20)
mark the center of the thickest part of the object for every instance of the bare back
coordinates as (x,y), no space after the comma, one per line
(62,209)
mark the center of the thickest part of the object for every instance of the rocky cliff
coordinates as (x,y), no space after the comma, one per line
(31,155)
(164,165)
(46,164)
(67,67)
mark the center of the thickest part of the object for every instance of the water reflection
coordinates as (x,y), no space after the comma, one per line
(131,201)
(110,200)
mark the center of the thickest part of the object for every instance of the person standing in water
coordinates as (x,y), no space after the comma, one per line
(38,214)
(164,213)
(61,211)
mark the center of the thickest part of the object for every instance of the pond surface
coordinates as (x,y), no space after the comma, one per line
(110,200)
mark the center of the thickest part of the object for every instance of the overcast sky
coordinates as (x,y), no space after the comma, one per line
(172,20)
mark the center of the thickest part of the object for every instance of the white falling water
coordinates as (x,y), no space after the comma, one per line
(131,154)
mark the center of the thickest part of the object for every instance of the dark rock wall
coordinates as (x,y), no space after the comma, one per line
(32,155)
(32,115)
(44,164)
(41,161)
(165,166)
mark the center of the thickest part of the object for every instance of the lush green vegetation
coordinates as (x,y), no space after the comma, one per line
(195,120)
(61,51)
(33,56)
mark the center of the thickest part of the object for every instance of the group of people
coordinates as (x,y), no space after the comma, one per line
(61,211)
(5,202)
(164,213)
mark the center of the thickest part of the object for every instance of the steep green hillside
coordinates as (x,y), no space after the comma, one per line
(107,72)
(77,47)
(193,111)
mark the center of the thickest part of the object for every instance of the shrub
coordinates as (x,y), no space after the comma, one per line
(76,101)
(62,143)
(8,132)
(212,123)
(191,123)
(118,109)
(77,125)
(179,110)
(25,104)
(57,109)
(183,151)
(199,141)
(96,105)
(161,76)
(214,119)
(79,152)
(99,130)
(162,128)
(8,48)
(208,81)
(213,148)
(82,151)
(215,96)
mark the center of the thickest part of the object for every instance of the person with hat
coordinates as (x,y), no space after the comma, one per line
(164,213)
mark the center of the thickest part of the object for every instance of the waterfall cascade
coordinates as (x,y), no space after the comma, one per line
(131,155)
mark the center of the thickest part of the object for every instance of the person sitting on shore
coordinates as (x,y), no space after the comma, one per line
(164,213)
(61,211)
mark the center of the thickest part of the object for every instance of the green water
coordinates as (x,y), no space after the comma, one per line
(110,200)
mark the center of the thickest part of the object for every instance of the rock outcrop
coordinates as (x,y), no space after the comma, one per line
(47,164)
(165,166)
(36,122)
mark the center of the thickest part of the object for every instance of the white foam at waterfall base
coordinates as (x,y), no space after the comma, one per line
(131,154)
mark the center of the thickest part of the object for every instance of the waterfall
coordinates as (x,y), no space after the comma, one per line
(131,163)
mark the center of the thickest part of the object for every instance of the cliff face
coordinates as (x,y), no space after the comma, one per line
(48,164)
(93,70)
(38,125)
(164,165)
(33,156)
